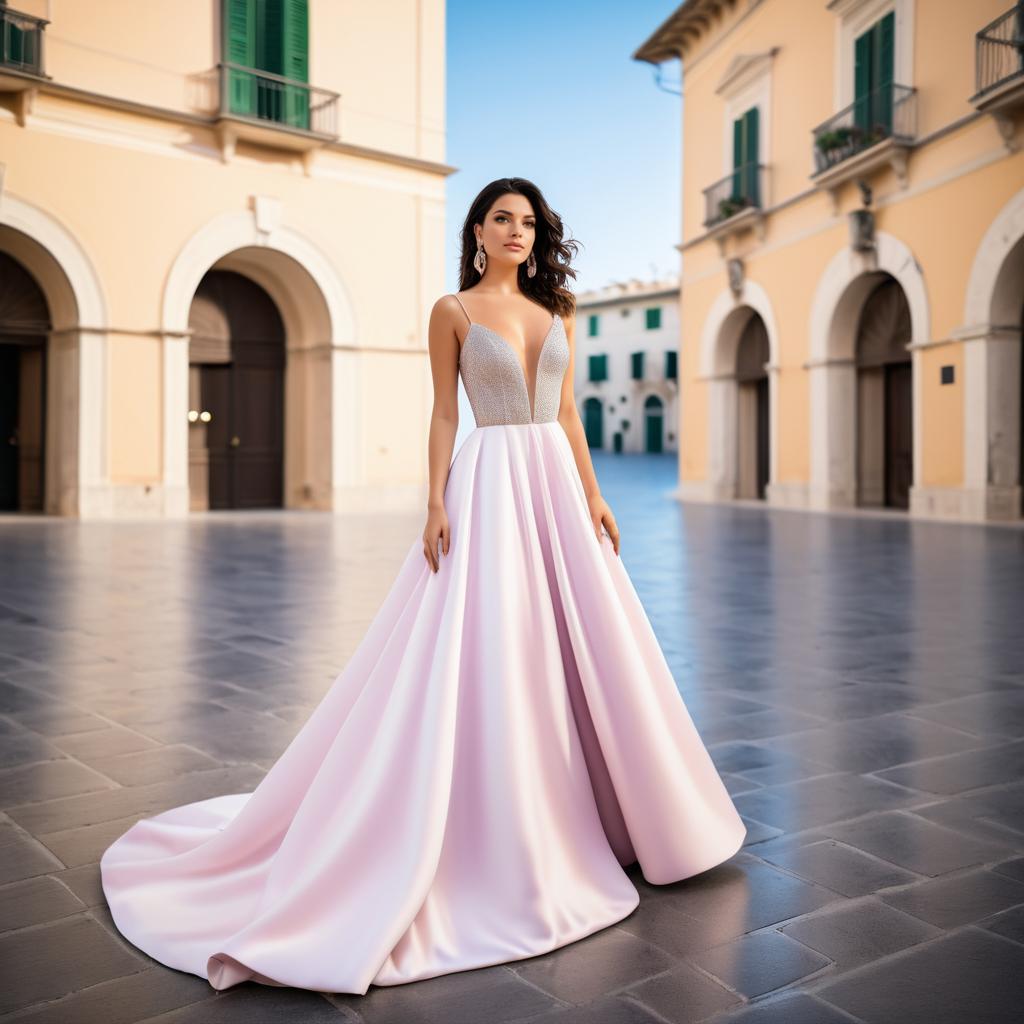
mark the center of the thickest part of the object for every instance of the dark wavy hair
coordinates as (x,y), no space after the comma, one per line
(553,252)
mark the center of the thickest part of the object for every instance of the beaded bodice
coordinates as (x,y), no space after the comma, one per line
(496,382)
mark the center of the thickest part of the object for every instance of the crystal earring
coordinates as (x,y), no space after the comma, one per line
(480,261)
(531,265)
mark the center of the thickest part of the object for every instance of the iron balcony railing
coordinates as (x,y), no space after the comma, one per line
(250,92)
(999,51)
(737,191)
(888,112)
(21,41)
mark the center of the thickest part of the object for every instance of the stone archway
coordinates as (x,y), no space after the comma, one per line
(993,337)
(76,478)
(847,282)
(322,441)
(884,416)
(728,320)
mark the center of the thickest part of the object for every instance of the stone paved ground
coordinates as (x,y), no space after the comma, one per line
(858,680)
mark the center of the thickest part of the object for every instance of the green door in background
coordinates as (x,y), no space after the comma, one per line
(593,422)
(655,422)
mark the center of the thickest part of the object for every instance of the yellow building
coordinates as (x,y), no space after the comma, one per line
(852,252)
(221,233)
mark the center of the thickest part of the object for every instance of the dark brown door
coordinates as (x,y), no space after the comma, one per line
(246,433)
(24,324)
(9,373)
(762,437)
(238,347)
(899,445)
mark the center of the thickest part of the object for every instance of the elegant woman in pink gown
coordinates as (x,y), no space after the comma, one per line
(507,735)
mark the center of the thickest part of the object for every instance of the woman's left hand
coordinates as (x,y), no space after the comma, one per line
(601,516)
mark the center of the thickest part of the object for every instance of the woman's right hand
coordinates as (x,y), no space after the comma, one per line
(435,530)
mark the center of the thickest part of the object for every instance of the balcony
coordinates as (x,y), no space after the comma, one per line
(876,130)
(21,50)
(733,204)
(999,68)
(262,107)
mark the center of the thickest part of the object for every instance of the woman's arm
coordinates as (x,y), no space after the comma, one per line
(443,345)
(569,417)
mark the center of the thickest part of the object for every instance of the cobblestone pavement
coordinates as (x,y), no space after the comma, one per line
(857,678)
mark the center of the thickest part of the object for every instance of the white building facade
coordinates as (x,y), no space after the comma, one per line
(626,374)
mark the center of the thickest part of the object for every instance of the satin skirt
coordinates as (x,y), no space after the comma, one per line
(506,738)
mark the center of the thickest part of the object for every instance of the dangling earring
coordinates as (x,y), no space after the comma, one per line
(480,261)
(531,265)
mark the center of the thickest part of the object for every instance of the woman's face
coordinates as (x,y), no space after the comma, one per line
(509,223)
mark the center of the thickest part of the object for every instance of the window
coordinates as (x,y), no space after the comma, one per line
(598,368)
(637,360)
(745,158)
(653,318)
(592,321)
(270,36)
(671,369)
(873,62)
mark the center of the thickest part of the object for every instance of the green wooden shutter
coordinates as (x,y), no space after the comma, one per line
(653,318)
(239,31)
(671,368)
(637,359)
(737,158)
(750,156)
(862,81)
(598,368)
(295,60)
(884,67)
(269,31)
(592,325)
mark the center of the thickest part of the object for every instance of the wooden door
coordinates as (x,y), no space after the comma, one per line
(762,437)
(9,373)
(899,448)
(245,435)
(238,350)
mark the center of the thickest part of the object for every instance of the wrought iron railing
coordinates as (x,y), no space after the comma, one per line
(250,92)
(999,51)
(737,191)
(888,112)
(21,41)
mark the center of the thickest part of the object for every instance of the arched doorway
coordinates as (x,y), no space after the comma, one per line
(25,324)
(593,422)
(236,395)
(752,411)
(654,423)
(885,449)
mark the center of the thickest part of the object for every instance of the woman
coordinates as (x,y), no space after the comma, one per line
(507,735)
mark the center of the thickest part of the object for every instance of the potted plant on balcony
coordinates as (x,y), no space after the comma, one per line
(727,207)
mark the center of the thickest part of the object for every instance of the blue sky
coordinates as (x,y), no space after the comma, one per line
(550,92)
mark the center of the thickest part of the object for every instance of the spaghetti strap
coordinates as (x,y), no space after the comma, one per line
(464,310)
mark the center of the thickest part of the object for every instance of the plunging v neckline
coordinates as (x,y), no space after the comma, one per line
(530,401)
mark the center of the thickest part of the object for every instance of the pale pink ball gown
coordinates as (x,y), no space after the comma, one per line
(506,737)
